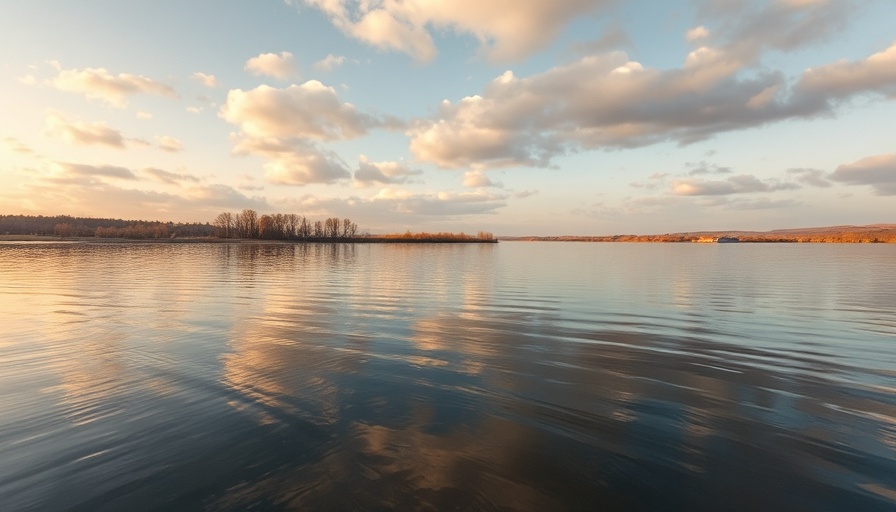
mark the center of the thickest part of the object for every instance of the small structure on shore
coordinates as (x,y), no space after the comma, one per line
(716,240)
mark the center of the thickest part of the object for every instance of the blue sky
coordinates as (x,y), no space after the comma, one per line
(516,117)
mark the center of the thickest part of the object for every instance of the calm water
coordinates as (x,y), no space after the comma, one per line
(517,376)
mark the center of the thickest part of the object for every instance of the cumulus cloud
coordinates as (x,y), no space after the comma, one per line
(743,183)
(600,101)
(311,110)
(285,126)
(278,65)
(294,161)
(609,101)
(171,178)
(98,83)
(382,173)
(169,144)
(506,29)
(76,132)
(206,79)
(843,79)
(310,166)
(329,62)
(878,171)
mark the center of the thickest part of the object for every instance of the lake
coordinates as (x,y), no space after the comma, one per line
(512,376)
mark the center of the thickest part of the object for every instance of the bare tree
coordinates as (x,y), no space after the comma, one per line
(318,229)
(331,227)
(348,228)
(291,225)
(248,224)
(224,225)
(266,228)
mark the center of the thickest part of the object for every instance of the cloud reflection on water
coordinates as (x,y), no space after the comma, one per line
(339,376)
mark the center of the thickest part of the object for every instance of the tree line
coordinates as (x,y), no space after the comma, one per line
(68,226)
(281,226)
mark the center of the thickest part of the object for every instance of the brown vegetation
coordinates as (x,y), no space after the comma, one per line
(482,236)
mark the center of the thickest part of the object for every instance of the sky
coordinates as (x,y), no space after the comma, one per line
(518,117)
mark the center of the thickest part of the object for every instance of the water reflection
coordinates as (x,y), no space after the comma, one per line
(517,376)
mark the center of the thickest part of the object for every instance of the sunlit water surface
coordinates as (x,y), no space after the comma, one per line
(516,376)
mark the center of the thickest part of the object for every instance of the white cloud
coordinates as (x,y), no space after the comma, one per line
(303,167)
(311,110)
(144,115)
(697,33)
(205,79)
(76,132)
(382,173)
(506,29)
(278,65)
(878,171)
(169,144)
(294,161)
(609,101)
(281,126)
(329,62)
(843,78)
(478,179)
(98,83)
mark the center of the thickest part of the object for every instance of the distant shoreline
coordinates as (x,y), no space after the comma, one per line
(875,233)
(214,240)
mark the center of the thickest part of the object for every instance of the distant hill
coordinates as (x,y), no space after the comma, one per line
(873,233)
